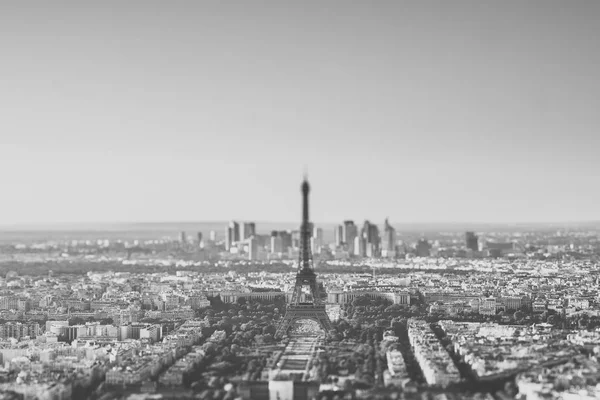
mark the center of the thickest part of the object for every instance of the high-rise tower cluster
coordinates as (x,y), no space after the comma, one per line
(345,235)
(236,232)
(366,242)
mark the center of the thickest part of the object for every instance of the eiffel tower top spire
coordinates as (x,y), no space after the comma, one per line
(305,192)
(305,260)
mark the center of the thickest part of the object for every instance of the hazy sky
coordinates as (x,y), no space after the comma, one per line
(421,111)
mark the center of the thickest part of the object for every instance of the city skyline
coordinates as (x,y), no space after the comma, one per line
(420,111)
(274,200)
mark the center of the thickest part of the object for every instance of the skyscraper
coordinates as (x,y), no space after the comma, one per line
(253,248)
(423,248)
(359,246)
(350,233)
(276,243)
(242,228)
(375,239)
(281,241)
(247,229)
(339,235)
(295,235)
(228,237)
(232,234)
(318,235)
(472,241)
(317,240)
(236,231)
(388,241)
(370,234)
(286,240)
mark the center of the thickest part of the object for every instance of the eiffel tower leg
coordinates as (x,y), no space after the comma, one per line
(284,326)
(324,321)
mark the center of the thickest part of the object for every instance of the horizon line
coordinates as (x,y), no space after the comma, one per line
(34,226)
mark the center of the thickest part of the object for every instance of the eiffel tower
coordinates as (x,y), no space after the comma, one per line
(313,308)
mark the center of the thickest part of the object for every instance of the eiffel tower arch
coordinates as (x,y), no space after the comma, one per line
(294,314)
(310,306)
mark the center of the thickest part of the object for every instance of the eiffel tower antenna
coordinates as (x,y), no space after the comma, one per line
(297,309)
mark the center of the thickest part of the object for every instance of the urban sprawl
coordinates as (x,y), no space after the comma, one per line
(512,314)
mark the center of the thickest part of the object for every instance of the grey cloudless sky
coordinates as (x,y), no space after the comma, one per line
(474,111)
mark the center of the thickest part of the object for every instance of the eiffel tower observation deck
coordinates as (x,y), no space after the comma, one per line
(310,306)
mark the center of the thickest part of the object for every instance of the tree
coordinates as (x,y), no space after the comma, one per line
(342,325)
(347,385)
(382,323)
(263,339)
(524,308)
(209,347)
(519,315)
(510,389)
(269,329)
(76,321)
(394,308)
(360,301)
(217,303)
